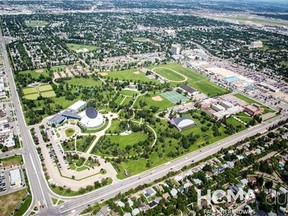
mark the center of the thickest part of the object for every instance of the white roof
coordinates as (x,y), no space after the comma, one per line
(15,176)
(78,105)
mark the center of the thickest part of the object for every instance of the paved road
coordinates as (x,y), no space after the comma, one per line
(39,188)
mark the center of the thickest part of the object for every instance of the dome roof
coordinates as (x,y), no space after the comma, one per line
(91,113)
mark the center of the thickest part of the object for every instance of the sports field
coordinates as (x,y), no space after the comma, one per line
(169,74)
(76,47)
(196,80)
(174,97)
(131,74)
(35,23)
(32,93)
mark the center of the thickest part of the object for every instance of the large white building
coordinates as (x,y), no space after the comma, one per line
(91,118)
(175,49)
(78,106)
(15,177)
(256,44)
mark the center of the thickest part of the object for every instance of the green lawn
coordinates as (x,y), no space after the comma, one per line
(150,102)
(130,139)
(197,81)
(75,47)
(170,145)
(10,161)
(34,74)
(129,93)
(169,74)
(48,94)
(36,23)
(29,90)
(243,116)
(130,75)
(69,132)
(251,101)
(86,82)
(32,93)
(44,88)
(236,124)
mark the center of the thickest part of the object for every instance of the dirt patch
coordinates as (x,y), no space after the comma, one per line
(157,98)
(136,72)
(103,74)
(39,71)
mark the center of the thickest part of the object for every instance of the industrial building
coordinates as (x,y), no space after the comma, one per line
(182,123)
(91,118)
(15,177)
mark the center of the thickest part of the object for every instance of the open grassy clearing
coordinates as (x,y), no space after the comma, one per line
(69,132)
(197,81)
(48,94)
(243,116)
(36,23)
(251,101)
(169,74)
(86,82)
(130,74)
(32,93)
(131,139)
(10,161)
(167,147)
(235,123)
(129,93)
(11,201)
(75,47)
(147,101)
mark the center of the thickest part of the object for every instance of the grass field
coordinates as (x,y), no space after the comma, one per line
(170,145)
(235,123)
(10,161)
(150,102)
(86,82)
(9,202)
(251,101)
(29,90)
(69,132)
(169,74)
(35,23)
(32,93)
(75,47)
(130,74)
(243,116)
(128,93)
(44,88)
(197,81)
(130,139)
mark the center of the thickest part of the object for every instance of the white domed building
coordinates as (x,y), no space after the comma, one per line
(91,118)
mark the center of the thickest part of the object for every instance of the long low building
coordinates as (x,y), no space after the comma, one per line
(15,177)
(78,106)
(182,123)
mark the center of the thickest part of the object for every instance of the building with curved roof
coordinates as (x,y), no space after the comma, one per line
(91,118)
(182,123)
